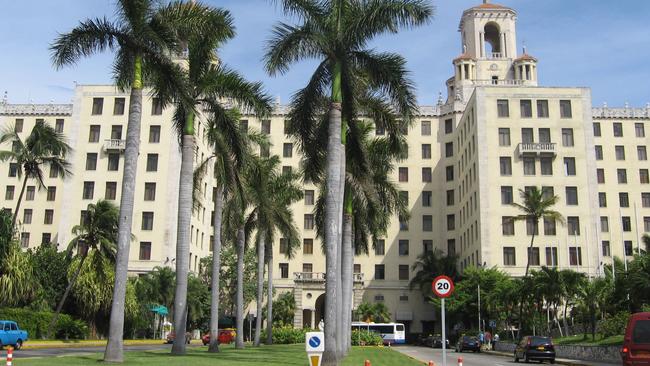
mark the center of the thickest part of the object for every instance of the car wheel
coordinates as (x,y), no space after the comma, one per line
(18,345)
(526,360)
(516,358)
(552,360)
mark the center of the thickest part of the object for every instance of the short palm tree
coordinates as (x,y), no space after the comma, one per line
(96,233)
(43,146)
(548,284)
(571,282)
(430,265)
(646,242)
(336,33)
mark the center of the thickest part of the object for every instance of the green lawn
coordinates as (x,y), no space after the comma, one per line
(281,355)
(600,341)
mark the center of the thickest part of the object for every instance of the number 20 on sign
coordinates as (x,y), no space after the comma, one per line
(443,287)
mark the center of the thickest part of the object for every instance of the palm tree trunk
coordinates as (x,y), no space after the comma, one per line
(269,297)
(183,239)
(239,307)
(260,287)
(114,347)
(20,199)
(521,303)
(340,321)
(566,325)
(59,307)
(216,268)
(332,219)
(346,276)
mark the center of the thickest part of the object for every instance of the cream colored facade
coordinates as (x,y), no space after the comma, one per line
(469,155)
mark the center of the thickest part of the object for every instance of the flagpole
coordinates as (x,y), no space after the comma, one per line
(620,217)
(636,228)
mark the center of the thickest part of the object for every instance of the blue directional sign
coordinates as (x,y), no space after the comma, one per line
(314,342)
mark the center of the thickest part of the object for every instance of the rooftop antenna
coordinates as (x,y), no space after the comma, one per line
(4,98)
(486,1)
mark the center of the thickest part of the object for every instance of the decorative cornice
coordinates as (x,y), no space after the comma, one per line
(35,109)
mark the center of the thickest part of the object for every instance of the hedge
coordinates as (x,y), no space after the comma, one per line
(37,322)
(366,338)
(289,335)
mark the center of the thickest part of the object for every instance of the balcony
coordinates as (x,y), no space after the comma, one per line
(114,144)
(537,148)
(319,277)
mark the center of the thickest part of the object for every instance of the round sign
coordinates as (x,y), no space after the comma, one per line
(442,286)
(314,342)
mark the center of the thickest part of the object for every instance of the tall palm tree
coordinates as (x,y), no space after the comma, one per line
(336,33)
(271,194)
(43,146)
(142,42)
(97,232)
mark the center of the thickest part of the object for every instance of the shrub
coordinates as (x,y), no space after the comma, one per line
(365,338)
(37,322)
(289,335)
(614,325)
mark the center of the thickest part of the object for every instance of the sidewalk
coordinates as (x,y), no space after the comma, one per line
(45,344)
(561,361)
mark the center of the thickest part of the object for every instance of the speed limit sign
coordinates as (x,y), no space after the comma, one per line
(442,286)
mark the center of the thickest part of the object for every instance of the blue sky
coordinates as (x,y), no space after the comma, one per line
(600,44)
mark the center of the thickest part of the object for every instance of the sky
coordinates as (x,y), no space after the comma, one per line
(599,44)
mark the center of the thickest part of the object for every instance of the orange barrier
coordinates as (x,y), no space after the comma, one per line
(460,361)
(10,355)
(367,363)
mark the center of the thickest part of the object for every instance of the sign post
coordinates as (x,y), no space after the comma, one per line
(315,346)
(443,287)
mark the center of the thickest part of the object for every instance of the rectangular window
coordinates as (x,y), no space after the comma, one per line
(91,161)
(572,196)
(31,192)
(504,137)
(618,129)
(113,162)
(243,125)
(507,225)
(505,165)
(544,135)
(629,251)
(308,268)
(380,131)
(597,132)
(118,107)
(551,256)
(626,223)
(607,251)
(565,109)
(308,246)
(502,108)
(425,128)
(287,150)
(154,134)
(573,225)
(403,272)
(620,152)
(533,256)
(284,270)
(93,135)
(450,197)
(266,126)
(527,136)
(451,246)
(309,222)
(27,216)
(357,268)
(621,175)
(623,199)
(152,162)
(286,170)
(509,258)
(145,251)
(449,149)
(18,125)
(51,193)
(426,198)
(599,152)
(529,166)
(111,191)
(88,190)
(427,223)
(570,166)
(451,222)
(265,151)
(24,240)
(403,246)
(567,137)
(645,199)
(600,175)
(542,108)
(49,217)
(380,272)
(526,107)
(449,126)
(506,195)
(287,127)
(13,170)
(309,197)
(58,126)
(403,174)
(639,130)
(427,246)
(575,256)
(426,175)
(549,226)
(602,199)
(426,151)
(641,153)
(147,221)
(546,165)
(449,173)
(150,191)
(604,224)
(403,223)
(156,107)
(9,193)
(116,132)
(646,224)
(284,246)
(380,247)
(532,227)
(46,238)
(98,106)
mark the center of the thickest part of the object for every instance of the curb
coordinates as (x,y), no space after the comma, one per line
(85,344)
(558,361)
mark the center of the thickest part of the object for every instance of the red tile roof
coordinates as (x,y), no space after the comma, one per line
(526,57)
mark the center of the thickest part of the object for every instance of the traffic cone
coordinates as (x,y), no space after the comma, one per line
(367,363)
(10,355)
(431,363)
(460,361)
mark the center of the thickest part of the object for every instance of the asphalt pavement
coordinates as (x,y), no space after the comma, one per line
(426,354)
(77,351)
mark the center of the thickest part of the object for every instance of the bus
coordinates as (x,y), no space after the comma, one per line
(392,333)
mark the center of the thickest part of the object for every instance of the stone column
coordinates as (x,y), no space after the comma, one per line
(503,45)
(313,318)
(482,43)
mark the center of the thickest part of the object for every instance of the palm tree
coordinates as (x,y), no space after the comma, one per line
(429,265)
(142,42)
(270,194)
(97,232)
(547,282)
(336,33)
(646,242)
(570,281)
(44,145)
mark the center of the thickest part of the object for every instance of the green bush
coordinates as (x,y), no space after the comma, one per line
(36,323)
(614,325)
(365,338)
(289,335)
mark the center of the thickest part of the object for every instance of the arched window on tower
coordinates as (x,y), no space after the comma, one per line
(493,40)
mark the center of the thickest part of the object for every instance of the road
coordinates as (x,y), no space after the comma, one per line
(76,351)
(426,354)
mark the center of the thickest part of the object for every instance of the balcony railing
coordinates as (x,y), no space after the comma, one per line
(506,82)
(537,148)
(320,277)
(494,55)
(114,144)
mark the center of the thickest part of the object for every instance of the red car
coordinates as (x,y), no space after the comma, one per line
(225,336)
(636,344)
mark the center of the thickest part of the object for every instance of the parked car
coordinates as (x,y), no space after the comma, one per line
(172,335)
(535,348)
(636,343)
(468,343)
(11,334)
(225,336)
(436,342)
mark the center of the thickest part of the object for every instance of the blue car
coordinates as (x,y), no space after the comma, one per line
(11,334)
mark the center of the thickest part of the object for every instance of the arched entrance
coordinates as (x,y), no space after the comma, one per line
(493,38)
(320,309)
